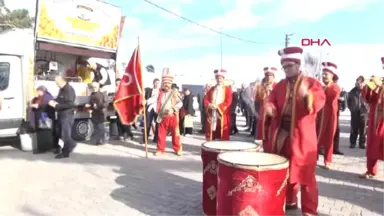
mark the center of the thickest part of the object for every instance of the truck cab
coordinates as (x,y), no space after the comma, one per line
(14,71)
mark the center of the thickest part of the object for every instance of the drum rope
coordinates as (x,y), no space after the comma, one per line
(284,184)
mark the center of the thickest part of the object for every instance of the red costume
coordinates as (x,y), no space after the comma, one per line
(295,103)
(374,96)
(328,115)
(218,120)
(168,100)
(264,122)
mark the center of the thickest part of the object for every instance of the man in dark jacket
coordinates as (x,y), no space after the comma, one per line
(97,104)
(359,114)
(187,111)
(203,116)
(64,106)
(235,101)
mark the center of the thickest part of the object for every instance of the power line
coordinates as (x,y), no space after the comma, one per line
(202,26)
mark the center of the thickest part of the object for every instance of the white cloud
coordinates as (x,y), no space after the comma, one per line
(241,69)
(131,23)
(353,60)
(172,5)
(239,17)
(292,10)
(21,4)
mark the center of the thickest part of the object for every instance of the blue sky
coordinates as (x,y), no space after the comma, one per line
(264,21)
(168,41)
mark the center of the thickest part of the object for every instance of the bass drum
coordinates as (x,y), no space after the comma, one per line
(209,152)
(251,183)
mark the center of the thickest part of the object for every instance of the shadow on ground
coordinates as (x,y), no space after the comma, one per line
(147,184)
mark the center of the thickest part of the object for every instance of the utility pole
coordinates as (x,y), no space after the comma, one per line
(221,49)
(287,39)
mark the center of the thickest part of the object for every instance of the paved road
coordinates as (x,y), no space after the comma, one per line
(116,179)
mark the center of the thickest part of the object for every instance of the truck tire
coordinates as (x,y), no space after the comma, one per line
(82,129)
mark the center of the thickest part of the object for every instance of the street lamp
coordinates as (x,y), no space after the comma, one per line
(221,48)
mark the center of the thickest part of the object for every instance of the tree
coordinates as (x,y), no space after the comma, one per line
(312,65)
(150,69)
(18,18)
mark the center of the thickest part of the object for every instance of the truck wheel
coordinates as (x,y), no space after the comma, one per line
(82,129)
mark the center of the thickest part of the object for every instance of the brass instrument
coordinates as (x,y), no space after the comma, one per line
(262,90)
(372,82)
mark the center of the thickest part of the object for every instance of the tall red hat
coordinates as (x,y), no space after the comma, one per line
(291,54)
(167,75)
(330,66)
(270,70)
(220,72)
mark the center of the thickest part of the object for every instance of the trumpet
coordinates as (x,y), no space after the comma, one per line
(371,85)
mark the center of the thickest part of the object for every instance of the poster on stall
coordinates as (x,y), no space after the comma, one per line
(84,23)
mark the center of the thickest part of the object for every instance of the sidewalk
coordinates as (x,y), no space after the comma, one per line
(116,179)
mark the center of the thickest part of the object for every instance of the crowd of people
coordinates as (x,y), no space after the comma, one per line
(297,118)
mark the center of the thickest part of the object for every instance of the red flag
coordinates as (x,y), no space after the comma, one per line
(128,100)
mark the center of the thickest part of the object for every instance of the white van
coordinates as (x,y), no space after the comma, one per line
(15,74)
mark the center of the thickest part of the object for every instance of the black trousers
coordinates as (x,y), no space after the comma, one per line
(336,138)
(358,129)
(122,130)
(151,117)
(233,123)
(202,120)
(254,125)
(65,124)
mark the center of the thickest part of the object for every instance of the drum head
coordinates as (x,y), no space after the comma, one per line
(259,142)
(228,145)
(253,159)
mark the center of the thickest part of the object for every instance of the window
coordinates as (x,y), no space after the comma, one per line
(4,75)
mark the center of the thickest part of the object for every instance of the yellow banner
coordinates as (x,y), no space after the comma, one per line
(89,23)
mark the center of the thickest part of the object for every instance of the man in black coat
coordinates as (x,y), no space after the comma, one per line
(203,116)
(359,114)
(97,104)
(235,101)
(65,108)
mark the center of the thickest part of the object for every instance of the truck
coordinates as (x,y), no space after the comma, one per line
(89,29)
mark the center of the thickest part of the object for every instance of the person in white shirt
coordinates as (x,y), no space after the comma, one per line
(151,108)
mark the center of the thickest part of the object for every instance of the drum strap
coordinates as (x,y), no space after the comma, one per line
(281,137)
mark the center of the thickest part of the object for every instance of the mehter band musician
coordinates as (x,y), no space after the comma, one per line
(217,103)
(328,115)
(168,106)
(294,104)
(373,94)
(262,92)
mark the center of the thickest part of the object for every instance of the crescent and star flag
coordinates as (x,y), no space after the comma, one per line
(128,101)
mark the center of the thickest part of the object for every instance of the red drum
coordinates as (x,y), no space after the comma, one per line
(209,153)
(251,183)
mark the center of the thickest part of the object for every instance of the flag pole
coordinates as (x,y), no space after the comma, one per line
(144,111)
